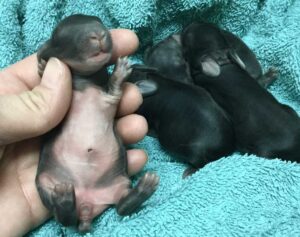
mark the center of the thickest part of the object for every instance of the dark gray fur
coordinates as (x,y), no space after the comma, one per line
(262,125)
(167,58)
(185,118)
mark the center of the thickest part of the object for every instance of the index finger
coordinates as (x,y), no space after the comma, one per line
(125,42)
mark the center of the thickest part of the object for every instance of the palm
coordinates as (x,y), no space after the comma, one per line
(17,174)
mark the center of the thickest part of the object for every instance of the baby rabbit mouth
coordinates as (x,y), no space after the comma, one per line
(99,56)
(100,49)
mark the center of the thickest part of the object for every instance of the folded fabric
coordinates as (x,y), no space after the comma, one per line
(239,195)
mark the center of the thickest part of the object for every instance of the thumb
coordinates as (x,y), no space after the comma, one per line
(35,112)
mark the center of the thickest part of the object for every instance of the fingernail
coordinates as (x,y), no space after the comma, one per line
(54,72)
(54,66)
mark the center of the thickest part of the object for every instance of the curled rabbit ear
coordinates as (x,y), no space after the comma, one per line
(147,87)
(43,55)
(232,54)
(210,67)
(177,38)
(144,68)
(45,51)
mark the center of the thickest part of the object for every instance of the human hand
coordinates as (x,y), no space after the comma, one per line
(31,106)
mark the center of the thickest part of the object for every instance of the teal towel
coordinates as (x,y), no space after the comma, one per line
(239,195)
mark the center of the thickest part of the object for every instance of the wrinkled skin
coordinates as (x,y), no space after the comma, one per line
(82,168)
(167,58)
(190,125)
(262,125)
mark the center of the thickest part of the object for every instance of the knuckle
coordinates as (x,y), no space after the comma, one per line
(40,110)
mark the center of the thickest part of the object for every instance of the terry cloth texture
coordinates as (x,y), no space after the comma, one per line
(239,195)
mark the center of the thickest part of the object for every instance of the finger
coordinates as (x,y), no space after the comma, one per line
(136,160)
(130,101)
(24,72)
(132,128)
(35,112)
(125,42)
(9,84)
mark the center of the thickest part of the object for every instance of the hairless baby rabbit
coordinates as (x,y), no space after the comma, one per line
(83,166)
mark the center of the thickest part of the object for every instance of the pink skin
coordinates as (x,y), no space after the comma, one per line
(84,163)
(92,111)
(90,118)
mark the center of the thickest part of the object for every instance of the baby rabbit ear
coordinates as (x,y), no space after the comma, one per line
(43,55)
(210,67)
(144,68)
(147,87)
(45,51)
(236,59)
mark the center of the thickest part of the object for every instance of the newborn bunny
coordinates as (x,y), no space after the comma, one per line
(83,166)
(167,57)
(185,118)
(262,125)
